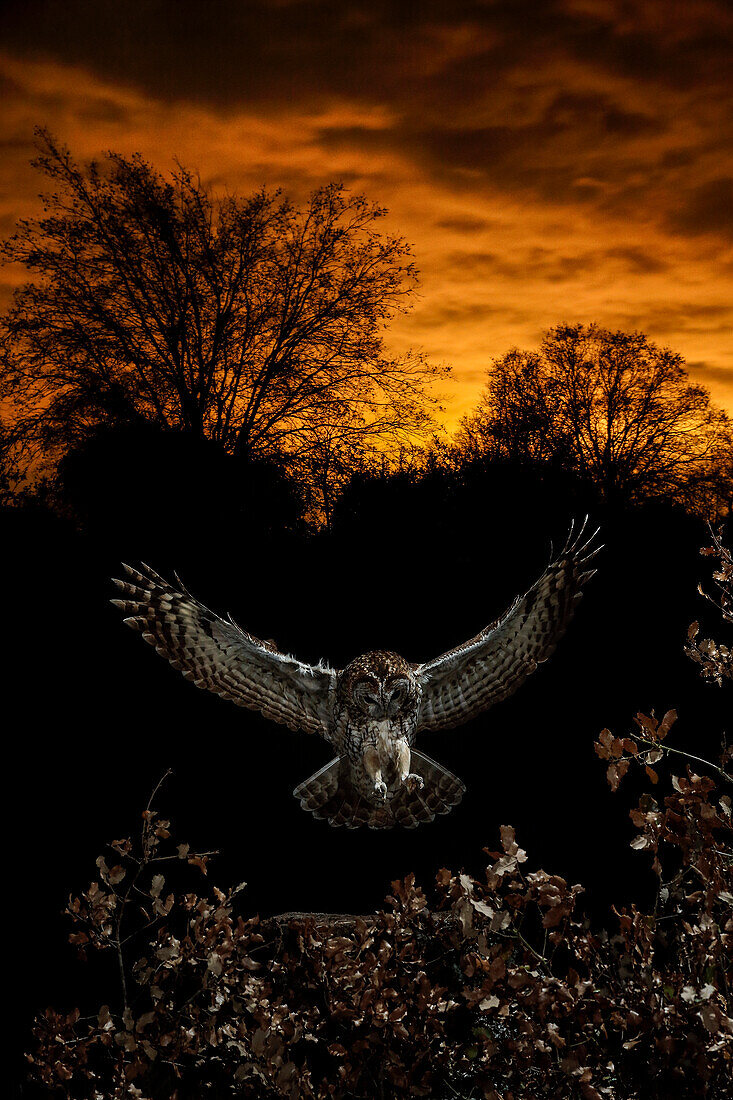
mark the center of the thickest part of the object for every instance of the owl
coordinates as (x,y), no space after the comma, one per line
(371,711)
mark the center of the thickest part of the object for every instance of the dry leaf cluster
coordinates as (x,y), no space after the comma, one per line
(715,659)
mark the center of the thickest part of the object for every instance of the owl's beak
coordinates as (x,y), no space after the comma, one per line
(380,712)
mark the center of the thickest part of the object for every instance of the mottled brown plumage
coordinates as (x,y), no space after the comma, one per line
(371,710)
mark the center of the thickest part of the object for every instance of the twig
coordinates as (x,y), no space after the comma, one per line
(123,899)
(688,755)
(159,784)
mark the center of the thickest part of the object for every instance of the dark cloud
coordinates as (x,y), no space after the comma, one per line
(475,90)
(678,158)
(463,224)
(104,111)
(555,158)
(597,115)
(707,208)
(549,265)
(709,373)
(672,42)
(217,52)
(459,314)
(534,263)
(688,317)
(637,260)
(226,51)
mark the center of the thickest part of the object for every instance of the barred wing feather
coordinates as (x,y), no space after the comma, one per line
(216,654)
(467,680)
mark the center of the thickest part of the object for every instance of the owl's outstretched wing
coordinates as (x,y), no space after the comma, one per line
(460,684)
(217,654)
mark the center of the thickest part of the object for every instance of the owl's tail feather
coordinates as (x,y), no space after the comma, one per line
(316,793)
(441,791)
(329,795)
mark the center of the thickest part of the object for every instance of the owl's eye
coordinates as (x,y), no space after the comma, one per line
(365,695)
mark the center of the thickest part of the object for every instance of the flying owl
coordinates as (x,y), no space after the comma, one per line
(372,710)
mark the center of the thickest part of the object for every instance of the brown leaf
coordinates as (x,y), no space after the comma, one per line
(616,772)
(666,724)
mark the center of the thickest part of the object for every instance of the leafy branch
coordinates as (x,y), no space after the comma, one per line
(714,658)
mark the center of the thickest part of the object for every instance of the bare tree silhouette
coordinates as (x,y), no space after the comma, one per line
(246,321)
(6,466)
(612,406)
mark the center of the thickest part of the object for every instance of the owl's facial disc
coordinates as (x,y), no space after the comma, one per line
(367,694)
(396,692)
(379,699)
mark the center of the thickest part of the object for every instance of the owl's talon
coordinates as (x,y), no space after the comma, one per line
(414,782)
(381,789)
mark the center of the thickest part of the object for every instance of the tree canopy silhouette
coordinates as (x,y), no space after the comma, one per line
(611,406)
(246,321)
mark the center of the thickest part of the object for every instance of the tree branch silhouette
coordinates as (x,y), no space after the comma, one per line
(246,321)
(612,407)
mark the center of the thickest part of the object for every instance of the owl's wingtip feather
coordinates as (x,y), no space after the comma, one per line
(135,622)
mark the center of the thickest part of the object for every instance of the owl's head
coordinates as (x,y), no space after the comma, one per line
(380,686)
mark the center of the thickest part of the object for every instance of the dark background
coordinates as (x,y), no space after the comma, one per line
(94,717)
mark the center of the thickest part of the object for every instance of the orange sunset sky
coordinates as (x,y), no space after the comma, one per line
(553,160)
